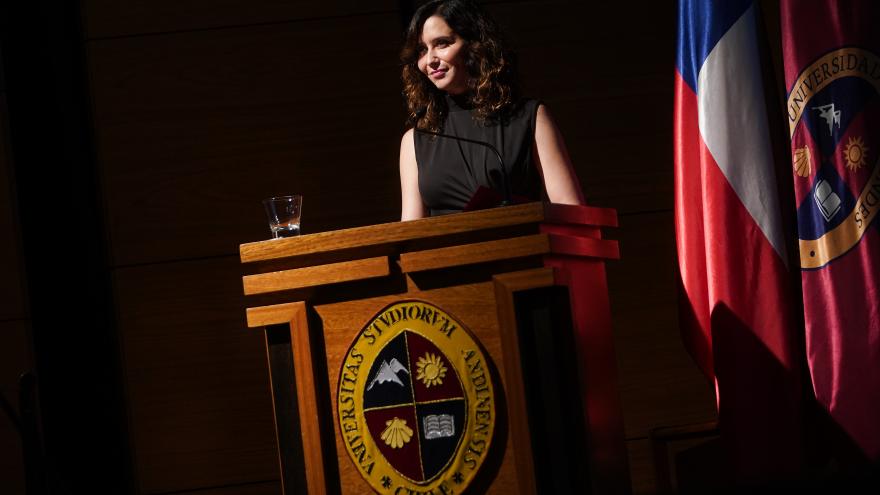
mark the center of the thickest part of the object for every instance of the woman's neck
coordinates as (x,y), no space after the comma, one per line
(461,101)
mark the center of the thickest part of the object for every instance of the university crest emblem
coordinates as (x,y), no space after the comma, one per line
(415,402)
(832,108)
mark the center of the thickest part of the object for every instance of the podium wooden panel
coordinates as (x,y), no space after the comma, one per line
(528,281)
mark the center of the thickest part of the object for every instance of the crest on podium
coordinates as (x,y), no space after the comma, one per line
(415,401)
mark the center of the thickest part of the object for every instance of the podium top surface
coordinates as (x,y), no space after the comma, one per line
(397,232)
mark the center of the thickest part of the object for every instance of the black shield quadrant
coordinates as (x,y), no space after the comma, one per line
(440,427)
(389,380)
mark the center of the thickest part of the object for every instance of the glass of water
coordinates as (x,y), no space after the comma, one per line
(284,213)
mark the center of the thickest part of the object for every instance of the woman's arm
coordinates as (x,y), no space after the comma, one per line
(553,162)
(411,206)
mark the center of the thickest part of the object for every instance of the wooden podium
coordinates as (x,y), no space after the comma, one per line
(526,281)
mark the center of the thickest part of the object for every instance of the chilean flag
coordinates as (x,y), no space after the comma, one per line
(736,313)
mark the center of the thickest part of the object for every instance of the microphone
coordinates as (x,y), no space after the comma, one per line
(505,180)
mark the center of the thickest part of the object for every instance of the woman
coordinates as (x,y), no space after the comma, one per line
(460,80)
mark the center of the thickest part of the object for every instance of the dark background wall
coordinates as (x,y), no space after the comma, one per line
(187,113)
(15,348)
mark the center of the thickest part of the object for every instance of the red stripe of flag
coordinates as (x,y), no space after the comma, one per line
(735,317)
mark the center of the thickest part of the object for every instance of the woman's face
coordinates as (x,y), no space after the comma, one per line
(440,58)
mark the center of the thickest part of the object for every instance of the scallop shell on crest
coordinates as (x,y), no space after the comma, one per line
(397,434)
(802,160)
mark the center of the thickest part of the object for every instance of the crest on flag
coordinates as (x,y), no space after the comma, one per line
(415,401)
(831,107)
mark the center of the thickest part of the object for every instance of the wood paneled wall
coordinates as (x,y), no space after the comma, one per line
(203,108)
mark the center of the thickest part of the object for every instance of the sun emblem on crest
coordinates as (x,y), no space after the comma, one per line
(397,434)
(430,370)
(854,153)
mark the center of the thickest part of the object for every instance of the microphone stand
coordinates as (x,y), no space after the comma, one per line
(505,182)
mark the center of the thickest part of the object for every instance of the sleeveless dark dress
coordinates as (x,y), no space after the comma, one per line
(451,171)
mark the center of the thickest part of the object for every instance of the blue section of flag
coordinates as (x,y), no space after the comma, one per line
(849,95)
(701,23)
(811,221)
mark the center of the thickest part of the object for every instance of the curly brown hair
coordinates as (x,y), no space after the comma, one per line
(493,86)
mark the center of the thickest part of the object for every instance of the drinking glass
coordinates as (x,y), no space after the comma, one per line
(284,214)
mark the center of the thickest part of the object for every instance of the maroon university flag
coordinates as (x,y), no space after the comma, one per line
(832,76)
